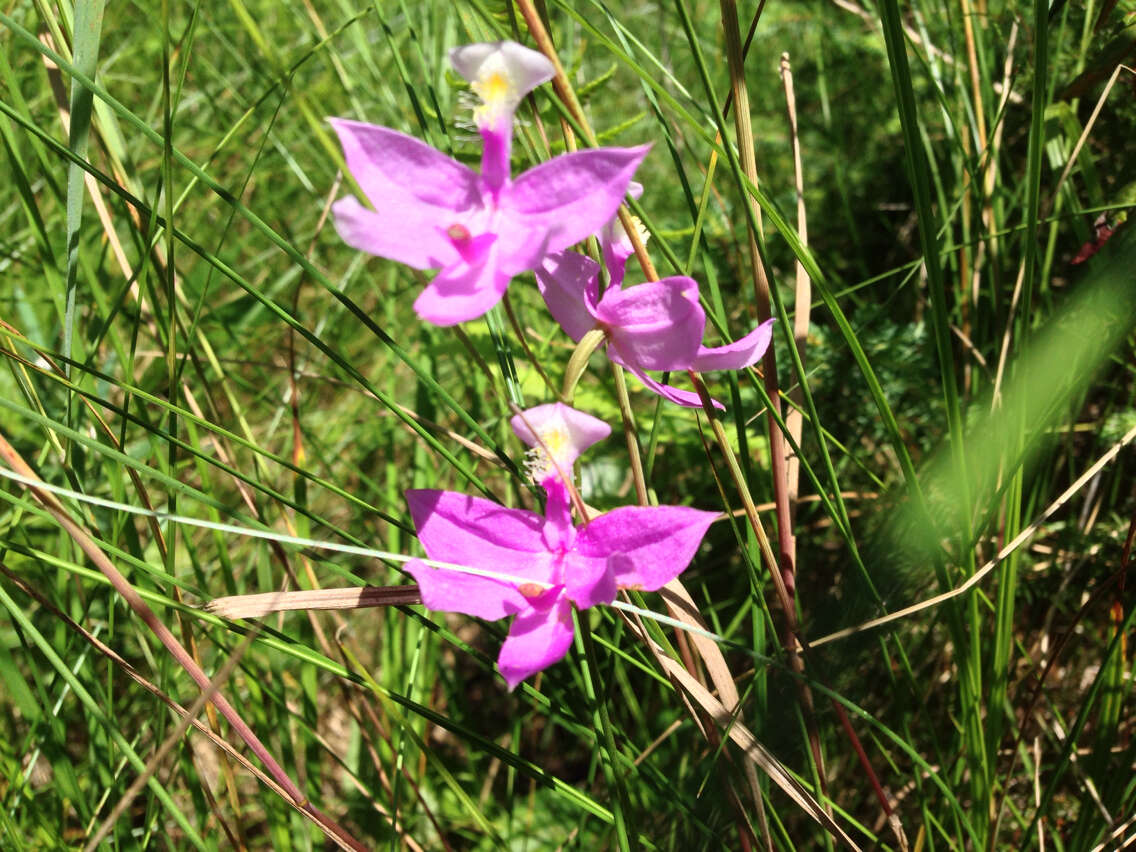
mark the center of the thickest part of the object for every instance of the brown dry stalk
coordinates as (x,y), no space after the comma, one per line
(783,568)
(794,420)
(16,462)
(258,606)
(155,531)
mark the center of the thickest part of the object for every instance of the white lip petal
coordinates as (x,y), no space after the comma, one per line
(558,434)
(518,70)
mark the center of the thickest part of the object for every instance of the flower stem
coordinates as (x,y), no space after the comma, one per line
(588,344)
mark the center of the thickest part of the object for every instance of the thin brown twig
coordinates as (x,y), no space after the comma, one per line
(794,420)
(15,461)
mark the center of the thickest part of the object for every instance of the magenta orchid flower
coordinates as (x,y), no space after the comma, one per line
(480,230)
(557,434)
(657,325)
(542,566)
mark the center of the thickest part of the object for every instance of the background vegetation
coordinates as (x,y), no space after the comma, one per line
(183,331)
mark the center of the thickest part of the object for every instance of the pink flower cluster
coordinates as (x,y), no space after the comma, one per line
(480,230)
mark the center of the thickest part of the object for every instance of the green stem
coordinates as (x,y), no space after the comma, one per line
(588,344)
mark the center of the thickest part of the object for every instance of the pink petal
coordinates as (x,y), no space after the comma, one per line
(571,196)
(589,581)
(741,353)
(390,166)
(616,245)
(559,433)
(565,280)
(401,230)
(687,399)
(496,154)
(452,591)
(537,639)
(520,248)
(654,544)
(655,326)
(559,534)
(462,292)
(472,531)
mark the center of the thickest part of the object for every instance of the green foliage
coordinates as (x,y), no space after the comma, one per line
(184,331)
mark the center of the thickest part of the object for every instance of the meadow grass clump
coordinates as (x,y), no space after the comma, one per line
(271,383)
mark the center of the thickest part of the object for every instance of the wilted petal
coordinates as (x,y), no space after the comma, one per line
(452,591)
(655,326)
(559,434)
(569,281)
(741,353)
(654,543)
(537,639)
(687,399)
(473,531)
(401,230)
(391,167)
(571,196)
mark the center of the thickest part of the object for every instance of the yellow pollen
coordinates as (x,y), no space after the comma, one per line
(458,233)
(554,440)
(492,89)
(530,590)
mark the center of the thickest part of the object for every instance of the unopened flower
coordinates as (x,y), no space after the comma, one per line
(557,434)
(657,325)
(544,565)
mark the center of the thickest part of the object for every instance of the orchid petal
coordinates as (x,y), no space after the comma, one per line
(462,292)
(571,196)
(502,69)
(741,353)
(444,590)
(537,639)
(401,230)
(649,545)
(615,244)
(496,155)
(655,326)
(559,534)
(391,167)
(565,280)
(473,531)
(559,434)
(521,248)
(589,581)
(687,399)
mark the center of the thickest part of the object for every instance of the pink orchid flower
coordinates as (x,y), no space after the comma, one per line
(657,325)
(558,434)
(542,566)
(480,230)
